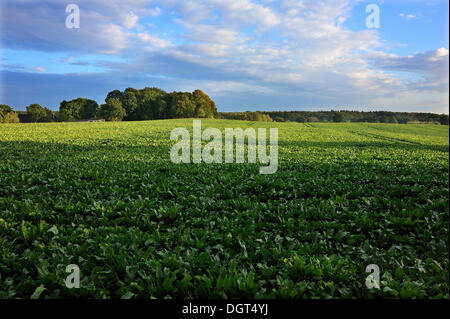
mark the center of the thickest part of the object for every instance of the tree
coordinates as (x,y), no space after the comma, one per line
(115,95)
(338,117)
(36,112)
(11,117)
(152,103)
(112,110)
(204,106)
(77,109)
(181,105)
(130,103)
(49,116)
(392,119)
(88,108)
(278,119)
(443,119)
(7,115)
(5,108)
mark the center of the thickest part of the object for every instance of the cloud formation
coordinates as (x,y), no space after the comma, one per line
(246,54)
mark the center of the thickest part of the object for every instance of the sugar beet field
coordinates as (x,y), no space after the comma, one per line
(106,197)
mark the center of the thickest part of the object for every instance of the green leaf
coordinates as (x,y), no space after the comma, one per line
(37,293)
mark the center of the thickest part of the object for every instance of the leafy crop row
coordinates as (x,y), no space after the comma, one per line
(106,197)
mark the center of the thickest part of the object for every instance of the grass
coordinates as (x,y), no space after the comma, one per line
(106,197)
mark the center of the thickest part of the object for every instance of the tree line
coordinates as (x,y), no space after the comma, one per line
(245,116)
(153,103)
(129,105)
(338,116)
(360,116)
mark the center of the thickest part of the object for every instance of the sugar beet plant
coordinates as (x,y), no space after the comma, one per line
(106,197)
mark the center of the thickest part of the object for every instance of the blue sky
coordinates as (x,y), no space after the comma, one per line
(247,54)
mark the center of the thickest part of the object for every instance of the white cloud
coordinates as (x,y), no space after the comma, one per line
(300,48)
(39,69)
(153,42)
(431,66)
(104,26)
(154,12)
(408,16)
(130,20)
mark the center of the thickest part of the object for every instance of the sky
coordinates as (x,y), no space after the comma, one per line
(245,54)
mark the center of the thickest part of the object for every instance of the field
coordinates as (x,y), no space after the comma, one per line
(106,197)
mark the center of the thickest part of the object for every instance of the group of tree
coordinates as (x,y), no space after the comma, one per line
(358,116)
(38,113)
(7,114)
(246,116)
(153,103)
(139,105)
(77,109)
(130,105)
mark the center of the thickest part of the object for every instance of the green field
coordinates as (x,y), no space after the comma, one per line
(106,196)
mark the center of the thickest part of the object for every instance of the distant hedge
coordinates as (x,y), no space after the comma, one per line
(357,116)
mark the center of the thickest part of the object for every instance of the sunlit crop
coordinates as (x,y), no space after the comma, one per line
(106,197)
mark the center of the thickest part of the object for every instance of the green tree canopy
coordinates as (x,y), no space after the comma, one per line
(5,108)
(338,117)
(112,110)
(77,109)
(115,95)
(204,106)
(152,103)
(7,114)
(36,112)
